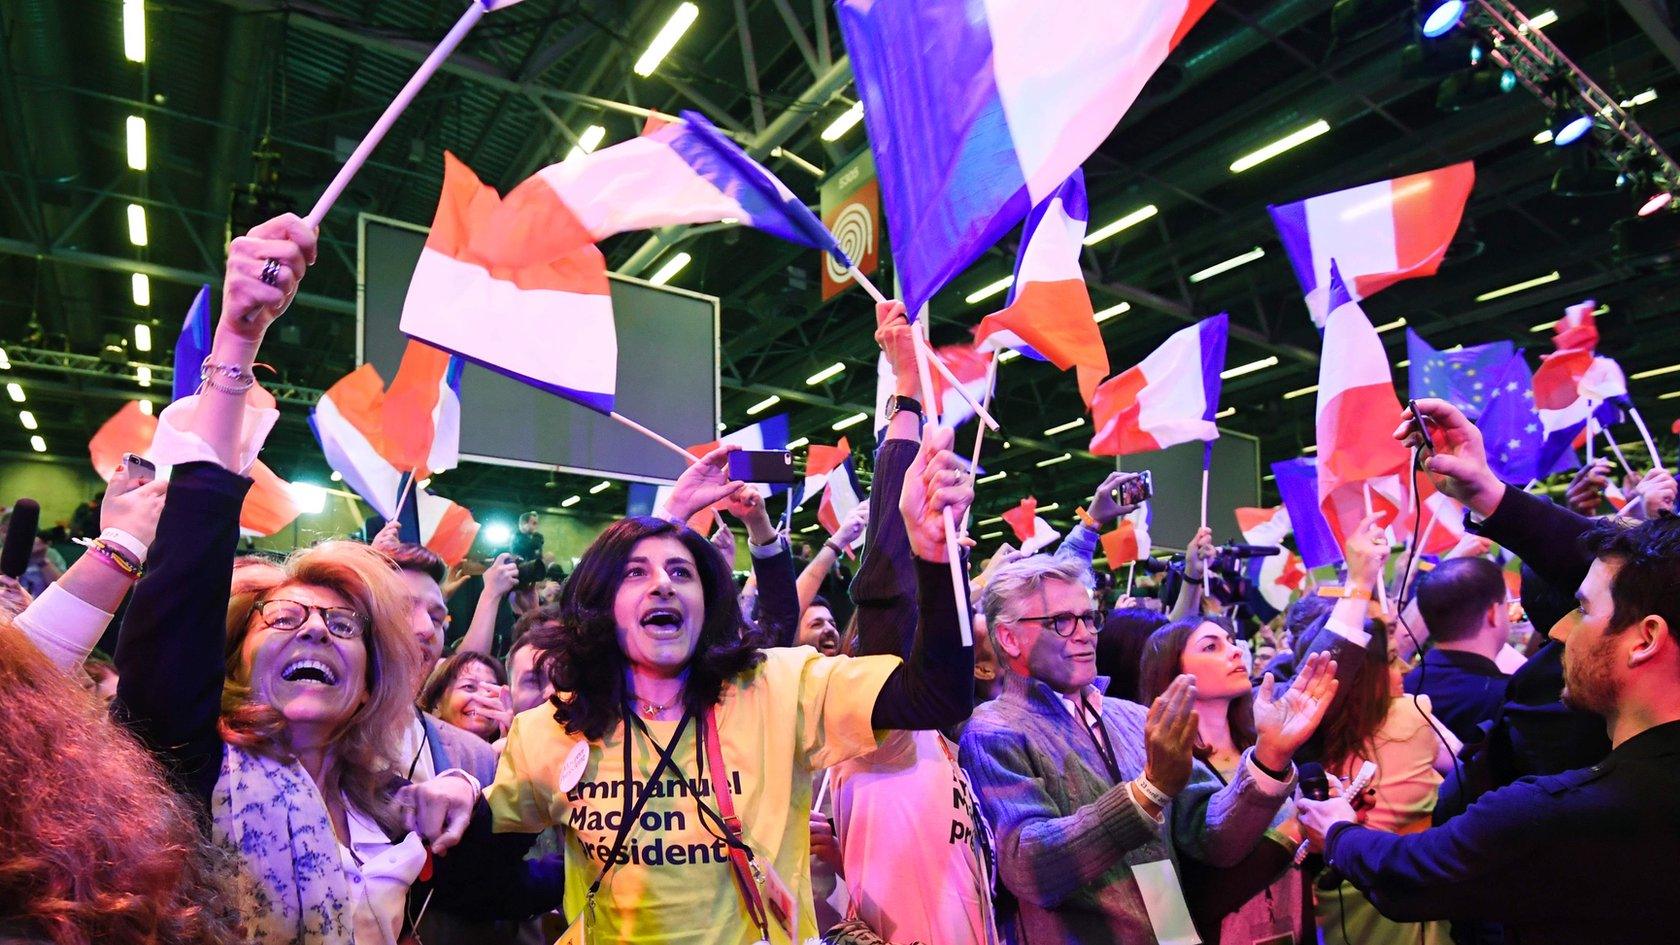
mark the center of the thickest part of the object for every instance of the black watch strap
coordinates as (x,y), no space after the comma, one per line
(898,402)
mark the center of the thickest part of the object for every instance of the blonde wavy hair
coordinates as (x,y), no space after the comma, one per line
(363,761)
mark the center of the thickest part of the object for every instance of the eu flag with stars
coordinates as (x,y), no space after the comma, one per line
(1511,430)
(1463,377)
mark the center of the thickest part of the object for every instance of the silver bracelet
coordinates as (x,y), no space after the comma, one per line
(233,378)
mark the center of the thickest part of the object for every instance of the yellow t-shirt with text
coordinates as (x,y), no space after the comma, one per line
(794,712)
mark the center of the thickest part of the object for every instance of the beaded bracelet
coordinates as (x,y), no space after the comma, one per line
(114,560)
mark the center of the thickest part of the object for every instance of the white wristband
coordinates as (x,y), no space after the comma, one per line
(1156,796)
(126,542)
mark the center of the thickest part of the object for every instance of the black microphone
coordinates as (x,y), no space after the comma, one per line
(1315,786)
(1248,551)
(20,538)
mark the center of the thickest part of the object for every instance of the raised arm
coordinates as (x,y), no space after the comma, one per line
(934,688)
(499,580)
(169,652)
(772,567)
(811,578)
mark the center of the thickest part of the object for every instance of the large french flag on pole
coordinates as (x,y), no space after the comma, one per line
(682,172)
(1359,461)
(1169,398)
(548,323)
(348,421)
(979,109)
(1378,234)
(421,415)
(1049,315)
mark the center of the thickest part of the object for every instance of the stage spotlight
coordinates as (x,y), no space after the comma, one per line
(1444,17)
(1655,203)
(1570,127)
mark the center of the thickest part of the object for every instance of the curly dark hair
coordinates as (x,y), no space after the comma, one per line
(580,651)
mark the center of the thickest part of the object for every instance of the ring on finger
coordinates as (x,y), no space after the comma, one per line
(270,275)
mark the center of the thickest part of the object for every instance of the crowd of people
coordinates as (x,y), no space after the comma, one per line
(356,745)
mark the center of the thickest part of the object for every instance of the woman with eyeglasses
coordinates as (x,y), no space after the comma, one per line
(276,700)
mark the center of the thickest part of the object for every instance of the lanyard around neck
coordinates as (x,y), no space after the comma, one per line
(1098,733)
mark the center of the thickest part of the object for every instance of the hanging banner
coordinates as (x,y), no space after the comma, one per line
(851,209)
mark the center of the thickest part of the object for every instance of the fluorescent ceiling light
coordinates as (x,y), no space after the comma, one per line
(669,271)
(824,374)
(989,521)
(15,391)
(1552,276)
(1249,368)
(136,224)
(809,528)
(1224,413)
(146,408)
(143,374)
(1643,98)
(1050,508)
(1129,220)
(1397,323)
(1073,424)
(5,362)
(988,536)
(1669,396)
(1543,137)
(796,444)
(846,122)
(136,142)
(1008,354)
(571,501)
(1310,449)
(1053,460)
(666,39)
(1112,311)
(28,420)
(994,477)
(1301,392)
(763,405)
(587,142)
(1228,265)
(1292,140)
(850,421)
(134,30)
(1546,326)
(1655,372)
(980,295)
(1405,363)
(1539,21)
(142,337)
(600,487)
(39,444)
(142,286)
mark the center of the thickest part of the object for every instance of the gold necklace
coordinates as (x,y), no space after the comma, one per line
(651,709)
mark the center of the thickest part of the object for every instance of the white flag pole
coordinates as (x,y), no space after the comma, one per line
(938,365)
(475,11)
(1645,434)
(953,553)
(1380,591)
(979,435)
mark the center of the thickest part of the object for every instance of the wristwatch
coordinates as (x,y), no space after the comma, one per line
(898,402)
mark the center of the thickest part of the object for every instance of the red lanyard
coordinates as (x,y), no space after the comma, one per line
(741,866)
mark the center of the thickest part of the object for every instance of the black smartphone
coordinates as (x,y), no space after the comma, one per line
(141,469)
(1421,423)
(1136,489)
(762,466)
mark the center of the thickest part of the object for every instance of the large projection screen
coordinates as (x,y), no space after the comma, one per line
(667,373)
(1233,482)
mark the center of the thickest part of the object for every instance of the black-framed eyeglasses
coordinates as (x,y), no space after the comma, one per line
(1063,624)
(289,615)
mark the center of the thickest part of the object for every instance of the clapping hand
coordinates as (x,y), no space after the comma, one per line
(1283,722)
(1170,733)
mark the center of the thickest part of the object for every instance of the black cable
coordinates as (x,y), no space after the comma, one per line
(1400,618)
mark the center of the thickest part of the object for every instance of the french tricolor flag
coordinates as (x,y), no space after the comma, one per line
(443,526)
(1575,382)
(1357,414)
(1169,398)
(1049,315)
(821,460)
(1278,577)
(547,323)
(979,109)
(1378,234)
(1129,541)
(1030,528)
(969,364)
(421,415)
(681,172)
(841,494)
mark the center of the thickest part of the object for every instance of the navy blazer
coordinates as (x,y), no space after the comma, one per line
(1591,855)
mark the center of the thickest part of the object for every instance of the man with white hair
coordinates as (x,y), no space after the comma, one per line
(1091,799)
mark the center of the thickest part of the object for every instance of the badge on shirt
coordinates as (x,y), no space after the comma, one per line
(571,770)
